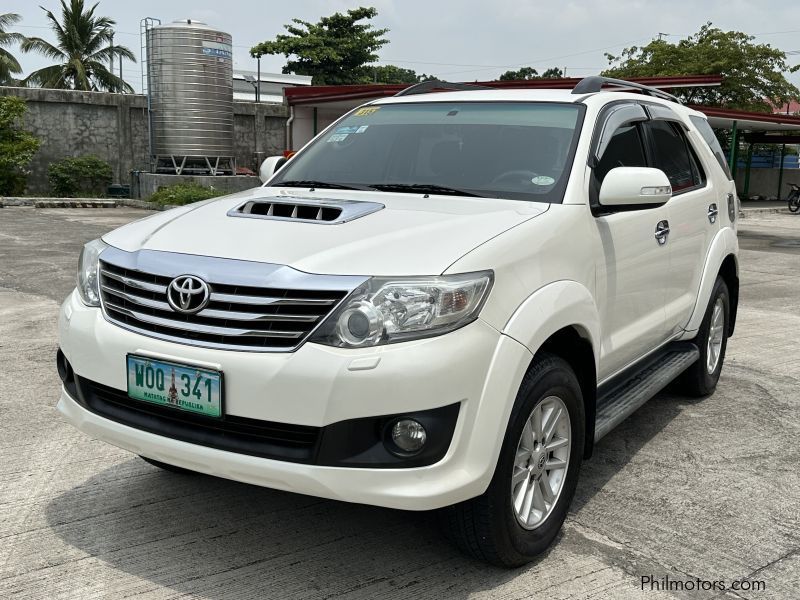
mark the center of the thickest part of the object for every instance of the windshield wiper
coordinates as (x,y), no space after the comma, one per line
(423,188)
(311,183)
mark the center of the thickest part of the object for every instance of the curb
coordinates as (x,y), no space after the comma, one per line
(82,203)
(76,203)
(752,212)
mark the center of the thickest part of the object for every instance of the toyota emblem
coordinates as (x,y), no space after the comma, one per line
(188,294)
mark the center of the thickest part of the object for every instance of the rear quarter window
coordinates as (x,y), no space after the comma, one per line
(705,131)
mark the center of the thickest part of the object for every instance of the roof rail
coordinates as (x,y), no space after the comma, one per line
(434,84)
(595,83)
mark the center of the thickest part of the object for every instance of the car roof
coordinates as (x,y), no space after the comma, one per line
(534,95)
(486,95)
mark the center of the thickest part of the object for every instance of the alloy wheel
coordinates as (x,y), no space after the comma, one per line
(541,462)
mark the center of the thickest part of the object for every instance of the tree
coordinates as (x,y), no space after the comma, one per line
(393,74)
(336,50)
(85,46)
(17,146)
(526,73)
(8,64)
(753,74)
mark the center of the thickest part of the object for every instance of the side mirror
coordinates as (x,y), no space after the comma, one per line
(633,186)
(269,166)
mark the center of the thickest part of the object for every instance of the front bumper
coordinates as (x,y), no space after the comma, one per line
(317,386)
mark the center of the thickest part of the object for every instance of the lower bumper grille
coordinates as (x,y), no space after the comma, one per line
(266,439)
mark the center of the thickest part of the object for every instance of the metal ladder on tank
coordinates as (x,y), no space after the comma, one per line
(146,25)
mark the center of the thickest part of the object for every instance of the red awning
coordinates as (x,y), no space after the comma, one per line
(319,94)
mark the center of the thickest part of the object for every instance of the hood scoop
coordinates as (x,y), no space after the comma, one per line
(306,210)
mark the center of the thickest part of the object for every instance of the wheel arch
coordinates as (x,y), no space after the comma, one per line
(562,319)
(721,260)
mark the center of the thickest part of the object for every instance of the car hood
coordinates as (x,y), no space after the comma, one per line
(411,235)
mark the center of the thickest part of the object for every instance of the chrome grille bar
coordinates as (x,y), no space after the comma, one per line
(212,329)
(271,301)
(135,283)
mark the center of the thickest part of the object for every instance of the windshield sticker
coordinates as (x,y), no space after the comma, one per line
(362,129)
(337,137)
(347,130)
(367,111)
(543,180)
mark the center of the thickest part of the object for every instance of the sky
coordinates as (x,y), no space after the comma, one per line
(457,40)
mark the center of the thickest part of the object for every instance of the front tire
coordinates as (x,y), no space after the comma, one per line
(794,203)
(522,511)
(712,339)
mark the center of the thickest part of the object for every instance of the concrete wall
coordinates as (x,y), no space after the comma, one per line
(114,127)
(764,182)
(144,185)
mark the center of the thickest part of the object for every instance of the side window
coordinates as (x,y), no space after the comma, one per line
(624,149)
(705,131)
(673,155)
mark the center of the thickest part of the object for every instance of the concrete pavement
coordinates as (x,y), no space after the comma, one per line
(686,489)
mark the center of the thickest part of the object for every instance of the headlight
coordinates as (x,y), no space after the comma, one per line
(385,310)
(88,280)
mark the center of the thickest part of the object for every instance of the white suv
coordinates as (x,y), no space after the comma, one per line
(444,300)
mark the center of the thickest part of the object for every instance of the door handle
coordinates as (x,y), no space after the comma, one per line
(712,213)
(662,232)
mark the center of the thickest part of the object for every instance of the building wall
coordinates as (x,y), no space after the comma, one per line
(114,128)
(764,182)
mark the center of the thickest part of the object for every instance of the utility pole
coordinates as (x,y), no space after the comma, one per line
(661,36)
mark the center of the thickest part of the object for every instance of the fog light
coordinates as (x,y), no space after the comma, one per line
(409,435)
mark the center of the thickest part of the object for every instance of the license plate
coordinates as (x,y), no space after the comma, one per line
(182,387)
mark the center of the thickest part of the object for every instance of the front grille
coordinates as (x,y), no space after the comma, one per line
(267,439)
(237,317)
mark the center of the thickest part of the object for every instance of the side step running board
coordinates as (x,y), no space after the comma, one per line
(621,398)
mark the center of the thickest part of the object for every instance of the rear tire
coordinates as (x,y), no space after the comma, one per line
(794,203)
(503,526)
(712,339)
(167,466)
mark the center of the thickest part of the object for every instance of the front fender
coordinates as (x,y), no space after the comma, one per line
(553,307)
(724,244)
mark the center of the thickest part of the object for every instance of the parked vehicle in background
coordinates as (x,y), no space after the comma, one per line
(442,302)
(794,197)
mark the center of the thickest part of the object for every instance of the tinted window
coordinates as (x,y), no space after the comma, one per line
(516,150)
(672,154)
(704,129)
(624,149)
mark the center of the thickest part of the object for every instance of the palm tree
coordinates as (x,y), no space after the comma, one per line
(85,46)
(8,64)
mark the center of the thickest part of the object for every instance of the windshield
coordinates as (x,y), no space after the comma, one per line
(514,150)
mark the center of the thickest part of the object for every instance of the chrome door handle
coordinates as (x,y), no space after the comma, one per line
(712,213)
(662,232)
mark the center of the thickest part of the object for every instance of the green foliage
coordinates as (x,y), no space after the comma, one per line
(84,47)
(334,51)
(85,176)
(393,74)
(17,146)
(526,73)
(8,64)
(184,193)
(752,73)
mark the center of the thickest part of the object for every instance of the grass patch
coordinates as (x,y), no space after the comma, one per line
(184,193)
